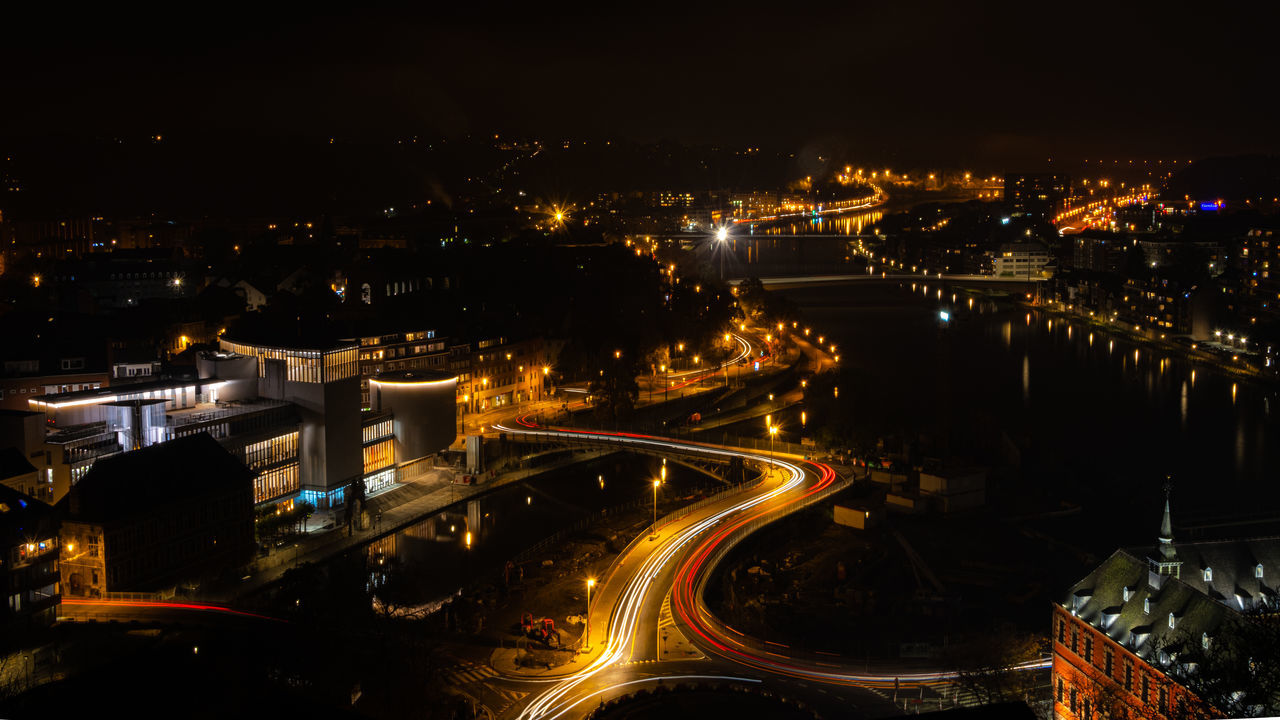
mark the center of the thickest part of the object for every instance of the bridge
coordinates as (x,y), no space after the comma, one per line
(999,282)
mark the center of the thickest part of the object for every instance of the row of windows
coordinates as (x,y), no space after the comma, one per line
(377,430)
(270,452)
(302,365)
(379,455)
(274,483)
(1107,666)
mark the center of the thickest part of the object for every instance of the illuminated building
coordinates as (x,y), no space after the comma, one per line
(146,520)
(1037,195)
(1023,260)
(1145,614)
(501,372)
(124,278)
(422,407)
(399,351)
(23,378)
(28,561)
(323,384)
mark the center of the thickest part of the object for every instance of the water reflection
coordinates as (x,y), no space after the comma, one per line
(1026,378)
(446,549)
(1107,427)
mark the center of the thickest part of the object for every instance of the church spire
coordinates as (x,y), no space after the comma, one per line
(1166,554)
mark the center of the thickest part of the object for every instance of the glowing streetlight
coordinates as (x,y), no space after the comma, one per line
(773,433)
(656,483)
(586,635)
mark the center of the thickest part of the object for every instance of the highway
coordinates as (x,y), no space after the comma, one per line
(626,609)
(648,618)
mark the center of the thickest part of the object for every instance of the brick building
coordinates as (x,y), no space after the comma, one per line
(1142,617)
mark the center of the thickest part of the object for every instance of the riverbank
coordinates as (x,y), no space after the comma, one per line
(1194,354)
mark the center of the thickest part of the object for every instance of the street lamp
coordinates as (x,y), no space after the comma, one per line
(656,483)
(586,635)
(773,433)
(722,235)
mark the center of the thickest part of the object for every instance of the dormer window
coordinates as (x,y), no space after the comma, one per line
(1208,574)
(1257,571)
(1171,622)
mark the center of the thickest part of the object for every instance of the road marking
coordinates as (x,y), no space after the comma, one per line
(665,618)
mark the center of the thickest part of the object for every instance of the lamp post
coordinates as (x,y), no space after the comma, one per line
(586,635)
(654,534)
(773,432)
(722,235)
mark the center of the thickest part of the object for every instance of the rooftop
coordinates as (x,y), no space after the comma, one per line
(13,464)
(413,377)
(1129,601)
(115,393)
(144,481)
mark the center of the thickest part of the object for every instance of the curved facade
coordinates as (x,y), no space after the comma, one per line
(422,404)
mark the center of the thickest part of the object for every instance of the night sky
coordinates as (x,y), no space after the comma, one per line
(933,81)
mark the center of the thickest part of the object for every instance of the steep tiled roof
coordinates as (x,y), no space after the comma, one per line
(1131,603)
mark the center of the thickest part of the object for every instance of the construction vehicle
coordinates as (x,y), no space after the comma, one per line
(543,630)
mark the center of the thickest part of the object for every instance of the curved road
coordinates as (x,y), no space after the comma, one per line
(673,567)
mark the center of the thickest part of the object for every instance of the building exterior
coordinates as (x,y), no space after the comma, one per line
(399,351)
(28,561)
(1023,260)
(323,383)
(1123,633)
(1036,194)
(952,489)
(1098,251)
(1259,251)
(22,380)
(124,278)
(421,405)
(145,520)
(501,372)
(18,473)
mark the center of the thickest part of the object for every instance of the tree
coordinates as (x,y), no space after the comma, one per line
(987,664)
(355,501)
(1232,673)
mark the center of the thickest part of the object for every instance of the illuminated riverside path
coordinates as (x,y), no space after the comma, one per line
(674,563)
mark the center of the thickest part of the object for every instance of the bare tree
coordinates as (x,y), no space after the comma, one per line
(1233,673)
(986,664)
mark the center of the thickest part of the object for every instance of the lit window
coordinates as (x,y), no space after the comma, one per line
(1208,574)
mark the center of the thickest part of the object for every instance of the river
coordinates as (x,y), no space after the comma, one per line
(473,538)
(1095,419)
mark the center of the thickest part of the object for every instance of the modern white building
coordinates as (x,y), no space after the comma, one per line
(1023,260)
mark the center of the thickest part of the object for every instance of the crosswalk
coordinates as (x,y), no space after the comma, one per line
(665,618)
(468,672)
(953,695)
(492,695)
